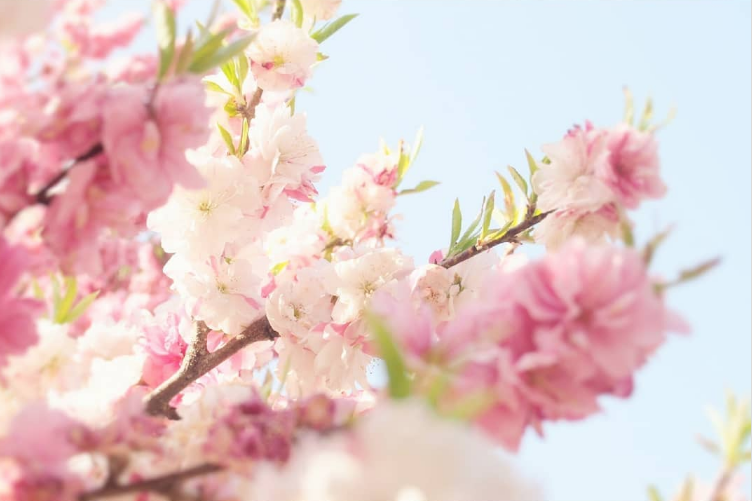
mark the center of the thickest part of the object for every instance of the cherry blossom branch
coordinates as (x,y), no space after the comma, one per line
(508,237)
(198,361)
(43,195)
(163,484)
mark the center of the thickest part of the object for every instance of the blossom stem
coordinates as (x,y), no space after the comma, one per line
(198,361)
(43,195)
(719,487)
(163,484)
(508,237)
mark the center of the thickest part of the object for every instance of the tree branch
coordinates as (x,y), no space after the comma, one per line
(510,236)
(43,195)
(162,484)
(198,361)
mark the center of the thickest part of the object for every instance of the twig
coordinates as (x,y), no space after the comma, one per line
(163,484)
(509,236)
(198,361)
(43,195)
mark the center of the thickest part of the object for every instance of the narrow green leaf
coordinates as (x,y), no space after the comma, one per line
(509,207)
(228,69)
(628,106)
(399,381)
(649,251)
(243,145)
(469,234)
(531,164)
(422,186)
(653,494)
(65,304)
(186,54)
(277,268)
(245,7)
(221,55)
(164,21)
(330,29)
(215,87)
(208,43)
(456,223)
(291,104)
(415,147)
(403,164)
(518,179)
(241,64)
(227,137)
(647,115)
(626,234)
(488,211)
(472,405)
(699,270)
(296,13)
(81,307)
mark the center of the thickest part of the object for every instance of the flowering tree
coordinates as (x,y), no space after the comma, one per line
(184,318)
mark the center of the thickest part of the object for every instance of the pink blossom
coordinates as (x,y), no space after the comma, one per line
(146,142)
(165,349)
(44,439)
(16,314)
(596,305)
(91,202)
(632,167)
(97,41)
(18,172)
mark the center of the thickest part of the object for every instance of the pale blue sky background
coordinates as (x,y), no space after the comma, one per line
(488,79)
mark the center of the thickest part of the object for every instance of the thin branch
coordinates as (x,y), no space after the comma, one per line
(43,195)
(508,237)
(279,9)
(162,484)
(198,361)
(719,487)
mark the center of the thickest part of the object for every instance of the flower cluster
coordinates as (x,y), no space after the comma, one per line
(542,342)
(591,177)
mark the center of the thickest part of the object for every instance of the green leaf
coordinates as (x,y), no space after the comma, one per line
(531,164)
(628,106)
(228,69)
(164,21)
(510,208)
(241,64)
(296,13)
(246,7)
(626,234)
(417,143)
(518,179)
(186,54)
(277,268)
(469,234)
(227,137)
(291,104)
(653,494)
(208,43)
(456,223)
(422,186)
(221,55)
(649,251)
(63,306)
(399,381)
(243,145)
(81,307)
(488,211)
(647,115)
(330,29)
(215,87)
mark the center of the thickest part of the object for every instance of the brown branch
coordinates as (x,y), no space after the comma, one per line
(43,195)
(508,237)
(198,361)
(162,484)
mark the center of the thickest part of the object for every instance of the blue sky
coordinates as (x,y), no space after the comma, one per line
(488,79)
